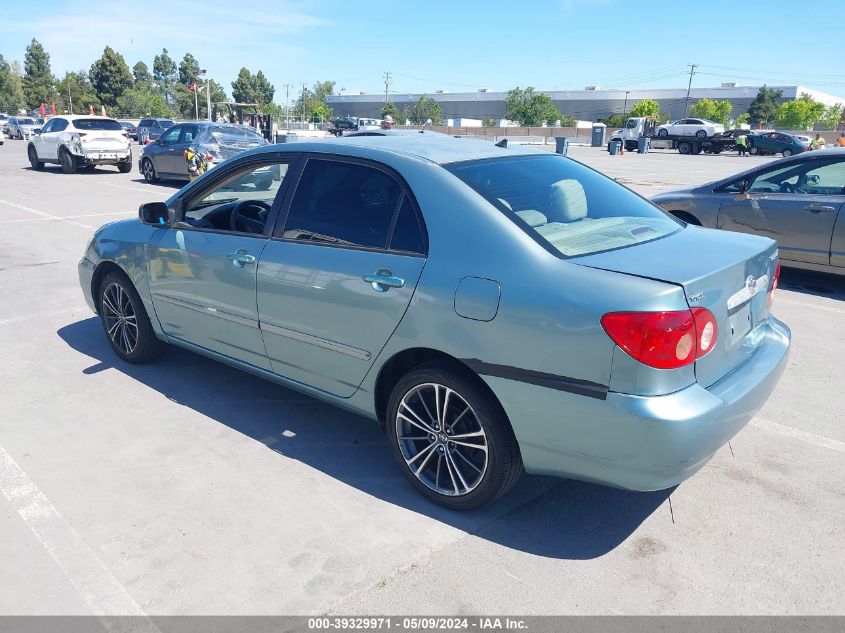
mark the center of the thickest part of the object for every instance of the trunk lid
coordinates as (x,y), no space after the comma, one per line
(730,274)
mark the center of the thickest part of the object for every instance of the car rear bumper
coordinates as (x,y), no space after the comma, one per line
(641,442)
(105,156)
(86,277)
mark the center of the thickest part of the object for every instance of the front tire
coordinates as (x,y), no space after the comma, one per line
(33,158)
(786,152)
(662,132)
(702,134)
(67,161)
(125,167)
(149,171)
(451,437)
(125,321)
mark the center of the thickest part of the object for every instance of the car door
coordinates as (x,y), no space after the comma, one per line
(337,278)
(41,141)
(50,140)
(176,152)
(168,160)
(796,204)
(202,269)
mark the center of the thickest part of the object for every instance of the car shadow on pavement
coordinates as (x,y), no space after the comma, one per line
(544,516)
(812,283)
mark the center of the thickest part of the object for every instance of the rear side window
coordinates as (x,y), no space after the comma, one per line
(407,232)
(343,203)
(97,124)
(569,208)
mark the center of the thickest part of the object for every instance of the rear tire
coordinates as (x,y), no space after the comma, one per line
(663,132)
(125,321)
(67,161)
(786,153)
(702,134)
(436,417)
(37,165)
(125,167)
(684,148)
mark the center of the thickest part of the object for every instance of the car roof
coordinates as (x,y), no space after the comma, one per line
(395,132)
(440,149)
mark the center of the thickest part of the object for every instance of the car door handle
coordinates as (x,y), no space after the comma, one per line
(818,208)
(383,279)
(240,258)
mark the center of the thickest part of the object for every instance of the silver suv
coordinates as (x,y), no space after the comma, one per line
(152,128)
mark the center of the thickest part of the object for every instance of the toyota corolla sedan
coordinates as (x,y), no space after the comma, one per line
(494,309)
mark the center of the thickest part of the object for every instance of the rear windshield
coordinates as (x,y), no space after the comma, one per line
(167,123)
(97,124)
(567,207)
(26,122)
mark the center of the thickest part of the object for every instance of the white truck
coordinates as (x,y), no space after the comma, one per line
(635,127)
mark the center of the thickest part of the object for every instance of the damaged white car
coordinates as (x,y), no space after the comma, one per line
(81,141)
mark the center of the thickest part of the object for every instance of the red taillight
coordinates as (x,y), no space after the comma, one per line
(775,281)
(665,340)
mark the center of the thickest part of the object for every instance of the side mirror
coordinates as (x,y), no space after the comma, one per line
(159,141)
(154,214)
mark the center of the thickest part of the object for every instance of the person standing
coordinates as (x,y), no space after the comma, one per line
(742,144)
(387,123)
(817,143)
(841,140)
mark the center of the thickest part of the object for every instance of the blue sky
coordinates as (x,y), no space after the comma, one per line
(452,45)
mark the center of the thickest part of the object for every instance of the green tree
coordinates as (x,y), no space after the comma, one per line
(742,119)
(488,122)
(141,74)
(242,87)
(76,93)
(799,114)
(164,74)
(312,102)
(110,77)
(189,68)
(764,107)
(263,89)
(11,89)
(143,101)
(37,79)
(718,111)
(424,109)
(615,120)
(832,117)
(646,107)
(530,109)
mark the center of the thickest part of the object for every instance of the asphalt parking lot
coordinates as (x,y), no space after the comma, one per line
(187,487)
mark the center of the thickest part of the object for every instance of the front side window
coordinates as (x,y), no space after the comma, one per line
(343,203)
(811,177)
(171,137)
(59,125)
(240,202)
(567,207)
(49,127)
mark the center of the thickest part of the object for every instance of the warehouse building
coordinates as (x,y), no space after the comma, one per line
(591,104)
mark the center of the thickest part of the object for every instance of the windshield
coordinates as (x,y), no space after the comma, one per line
(632,123)
(26,122)
(569,208)
(97,124)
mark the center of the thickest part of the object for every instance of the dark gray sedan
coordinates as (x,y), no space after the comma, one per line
(798,201)
(165,157)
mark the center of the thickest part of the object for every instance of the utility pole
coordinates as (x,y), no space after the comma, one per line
(69,98)
(387,82)
(287,105)
(625,107)
(692,68)
(303,107)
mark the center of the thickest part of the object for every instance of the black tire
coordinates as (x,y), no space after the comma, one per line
(149,171)
(702,134)
(786,152)
(68,161)
(33,158)
(117,295)
(684,148)
(662,132)
(125,167)
(630,146)
(753,151)
(494,474)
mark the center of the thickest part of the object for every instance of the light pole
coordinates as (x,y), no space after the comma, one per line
(625,107)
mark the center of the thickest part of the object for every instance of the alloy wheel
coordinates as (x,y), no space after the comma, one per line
(442,439)
(120,319)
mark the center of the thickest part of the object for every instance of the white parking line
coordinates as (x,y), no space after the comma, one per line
(804,436)
(45,215)
(141,189)
(70,217)
(79,563)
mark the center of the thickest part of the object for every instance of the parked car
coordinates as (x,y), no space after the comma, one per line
(22,127)
(777,143)
(130,128)
(165,158)
(4,123)
(368,124)
(153,128)
(491,307)
(2,136)
(345,123)
(701,128)
(798,201)
(75,141)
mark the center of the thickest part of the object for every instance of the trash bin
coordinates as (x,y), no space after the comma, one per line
(613,147)
(643,145)
(561,145)
(598,134)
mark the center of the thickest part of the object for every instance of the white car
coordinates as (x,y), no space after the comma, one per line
(368,124)
(701,128)
(81,141)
